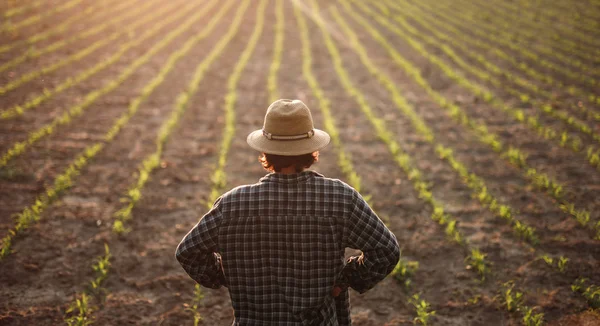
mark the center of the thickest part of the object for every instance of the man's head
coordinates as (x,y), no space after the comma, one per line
(288,137)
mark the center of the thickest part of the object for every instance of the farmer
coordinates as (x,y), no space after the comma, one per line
(278,245)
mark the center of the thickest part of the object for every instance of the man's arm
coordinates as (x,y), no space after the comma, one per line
(196,252)
(366,232)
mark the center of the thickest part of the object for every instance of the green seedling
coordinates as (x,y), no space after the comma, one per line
(512,299)
(477,261)
(404,271)
(196,302)
(80,311)
(591,293)
(531,319)
(423,308)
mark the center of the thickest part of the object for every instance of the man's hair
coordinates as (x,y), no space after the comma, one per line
(275,163)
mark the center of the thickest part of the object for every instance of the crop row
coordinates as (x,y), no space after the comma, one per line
(62,27)
(219,178)
(513,155)
(180,106)
(493,69)
(423,16)
(277,52)
(79,55)
(65,180)
(563,139)
(534,31)
(152,161)
(32,52)
(474,182)
(404,270)
(545,17)
(466,21)
(15,11)
(12,27)
(488,32)
(47,94)
(91,97)
(79,312)
(472,179)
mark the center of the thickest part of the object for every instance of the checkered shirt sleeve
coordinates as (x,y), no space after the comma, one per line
(197,251)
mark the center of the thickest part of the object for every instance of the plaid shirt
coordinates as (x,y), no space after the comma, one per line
(278,246)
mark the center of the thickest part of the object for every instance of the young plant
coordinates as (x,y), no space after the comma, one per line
(100,268)
(531,319)
(512,299)
(404,271)
(591,293)
(477,261)
(80,312)
(196,302)
(562,264)
(423,308)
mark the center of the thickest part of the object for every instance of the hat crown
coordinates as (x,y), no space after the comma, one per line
(288,118)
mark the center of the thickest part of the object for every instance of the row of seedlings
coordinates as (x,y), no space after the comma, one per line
(66,179)
(493,41)
(63,26)
(423,16)
(478,186)
(505,39)
(404,270)
(475,183)
(571,39)
(472,181)
(529,318)
(500,18)
(152,161)
(493,69)
(578,13)
(218,178)
(76,110)
(18,109)
(12,27)
(80,310)
(19,10)
(277,52)
(79,55)
(33,51)
(564,139)
(514,156)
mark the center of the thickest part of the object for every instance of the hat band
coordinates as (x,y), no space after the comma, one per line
(270,136)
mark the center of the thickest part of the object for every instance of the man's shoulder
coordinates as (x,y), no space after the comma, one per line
(332,182)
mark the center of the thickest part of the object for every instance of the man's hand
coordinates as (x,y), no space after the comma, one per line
(336,291)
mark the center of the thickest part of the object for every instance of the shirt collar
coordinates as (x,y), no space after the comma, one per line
(290,178)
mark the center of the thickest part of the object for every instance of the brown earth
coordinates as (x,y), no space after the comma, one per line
(51,262)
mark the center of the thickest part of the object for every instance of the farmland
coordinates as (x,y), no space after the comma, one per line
(472,128)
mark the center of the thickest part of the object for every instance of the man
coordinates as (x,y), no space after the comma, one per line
(278,245)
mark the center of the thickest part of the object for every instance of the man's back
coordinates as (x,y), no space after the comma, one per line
(282,242)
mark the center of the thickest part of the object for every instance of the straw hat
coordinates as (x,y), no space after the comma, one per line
(288,130)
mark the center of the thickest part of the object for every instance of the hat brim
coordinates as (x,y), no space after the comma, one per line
(259,142)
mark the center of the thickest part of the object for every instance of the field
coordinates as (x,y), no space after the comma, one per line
(472,126)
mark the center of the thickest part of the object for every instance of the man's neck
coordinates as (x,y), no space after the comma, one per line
(289,170)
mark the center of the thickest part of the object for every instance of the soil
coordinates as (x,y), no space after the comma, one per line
(51,262)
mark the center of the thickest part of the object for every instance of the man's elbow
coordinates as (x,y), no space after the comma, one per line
(393,256)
